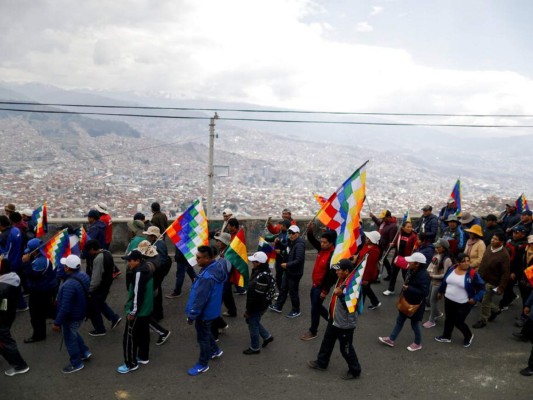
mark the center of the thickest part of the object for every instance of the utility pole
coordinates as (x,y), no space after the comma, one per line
(210,167)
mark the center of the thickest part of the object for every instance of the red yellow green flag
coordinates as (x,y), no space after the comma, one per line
(237,255)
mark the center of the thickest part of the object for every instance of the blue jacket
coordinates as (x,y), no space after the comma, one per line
(71,300)
(11,247)
(474,284)
(96,231)
(41,277)
(429,225)
(205,299)
(296,258)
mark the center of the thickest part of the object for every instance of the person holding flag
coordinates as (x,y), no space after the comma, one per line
(321,269)
(341,326)
(42,285)
(446,211)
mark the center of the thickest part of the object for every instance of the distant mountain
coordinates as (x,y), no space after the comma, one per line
(58,125)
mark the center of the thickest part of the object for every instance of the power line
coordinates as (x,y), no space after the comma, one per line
(270,120)
(272,111)
(100,156)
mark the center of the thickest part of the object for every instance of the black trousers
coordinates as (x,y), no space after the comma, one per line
(159,276)
(40,308)
(136,340)
(367,291)
(228,300)
(456,314)
(345,338)
(8,348)
(289,286)
(394,276)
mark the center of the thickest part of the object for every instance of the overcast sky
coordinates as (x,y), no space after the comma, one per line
(448,56)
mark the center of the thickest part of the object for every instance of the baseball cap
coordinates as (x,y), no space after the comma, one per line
(294,228)
(72,261)
(343,264)
(259,257)
(133,255)
(416,257)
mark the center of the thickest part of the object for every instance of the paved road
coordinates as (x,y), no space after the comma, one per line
(487,370)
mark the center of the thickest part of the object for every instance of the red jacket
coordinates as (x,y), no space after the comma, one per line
(372,269)
(274,229)
(106,219)
(321,267)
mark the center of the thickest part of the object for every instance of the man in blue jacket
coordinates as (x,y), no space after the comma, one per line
(294,270)
(204,305)
(71,311)
(429,223)
(42,285)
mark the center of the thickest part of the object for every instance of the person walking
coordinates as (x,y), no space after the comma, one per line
(259,286)
(341,327)
(462,288)
(415,290)
(71,311)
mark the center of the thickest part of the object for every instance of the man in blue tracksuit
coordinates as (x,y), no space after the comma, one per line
(71,311)
(204,305)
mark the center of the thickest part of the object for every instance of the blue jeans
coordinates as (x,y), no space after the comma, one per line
(399,325)
(74,343)
(317,309)
(180,276)
(256,329)
(205,340)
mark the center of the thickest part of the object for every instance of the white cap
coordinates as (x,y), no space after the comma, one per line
(227,211)
(260,257)
(373,236)
(28,212)
(294,228)
(72,261)
(416,257)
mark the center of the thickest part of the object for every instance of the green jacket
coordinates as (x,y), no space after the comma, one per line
(140,291)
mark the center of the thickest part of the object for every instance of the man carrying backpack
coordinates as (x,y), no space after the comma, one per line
(258,299)
(100,266)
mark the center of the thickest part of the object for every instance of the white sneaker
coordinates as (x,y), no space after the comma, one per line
(388,292)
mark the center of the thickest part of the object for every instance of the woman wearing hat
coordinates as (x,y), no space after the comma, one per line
(440,263)
(461,287)
(475,246)
(415,290)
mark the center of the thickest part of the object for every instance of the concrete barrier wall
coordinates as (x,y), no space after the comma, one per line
(253,227)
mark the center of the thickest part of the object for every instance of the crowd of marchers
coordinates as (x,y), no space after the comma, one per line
(448,263)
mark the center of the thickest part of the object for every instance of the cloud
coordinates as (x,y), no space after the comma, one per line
(364,27)
(265,53)
(376,10)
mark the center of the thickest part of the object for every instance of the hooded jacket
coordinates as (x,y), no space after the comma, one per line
(41,277)
(205,299)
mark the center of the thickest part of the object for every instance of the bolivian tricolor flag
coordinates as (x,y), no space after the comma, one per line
(237,255)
